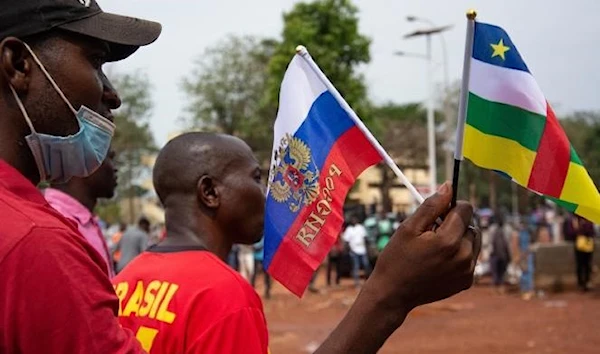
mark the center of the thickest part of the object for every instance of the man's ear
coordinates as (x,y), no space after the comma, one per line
(15,64)
(207,192)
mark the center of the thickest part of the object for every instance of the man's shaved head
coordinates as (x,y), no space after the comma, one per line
(186,158)
(216,175)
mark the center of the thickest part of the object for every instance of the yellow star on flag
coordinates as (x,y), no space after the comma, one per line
(500,49)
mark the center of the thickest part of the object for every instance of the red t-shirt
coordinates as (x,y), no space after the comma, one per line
(55,296)
(182,300)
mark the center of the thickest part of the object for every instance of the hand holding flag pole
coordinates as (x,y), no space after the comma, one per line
(463,104)
(303,52)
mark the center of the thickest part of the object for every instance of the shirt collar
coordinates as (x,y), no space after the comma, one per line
(14,182)
(68,205)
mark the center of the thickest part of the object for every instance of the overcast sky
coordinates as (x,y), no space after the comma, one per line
(557,39)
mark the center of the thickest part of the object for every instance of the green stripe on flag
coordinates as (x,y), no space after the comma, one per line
(574,157)
(506,121)
(568,206)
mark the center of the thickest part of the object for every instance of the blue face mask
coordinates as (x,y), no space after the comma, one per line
(59,158)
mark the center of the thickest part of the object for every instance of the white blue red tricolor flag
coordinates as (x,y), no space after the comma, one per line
(319,150)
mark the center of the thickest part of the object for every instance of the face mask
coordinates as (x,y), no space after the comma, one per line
(59,158)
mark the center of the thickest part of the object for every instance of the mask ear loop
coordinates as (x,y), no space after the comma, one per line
(22,108)
(40,165)
(39,63)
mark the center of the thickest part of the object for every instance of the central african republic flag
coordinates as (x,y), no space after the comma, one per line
(511,128)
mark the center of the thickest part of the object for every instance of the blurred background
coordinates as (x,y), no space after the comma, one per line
(218,67)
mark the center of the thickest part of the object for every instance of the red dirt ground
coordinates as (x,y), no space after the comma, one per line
(476,321)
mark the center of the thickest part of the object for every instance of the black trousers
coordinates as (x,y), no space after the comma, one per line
(333,262)
(584,267)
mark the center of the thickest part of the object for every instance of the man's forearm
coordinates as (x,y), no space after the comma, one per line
(365,327)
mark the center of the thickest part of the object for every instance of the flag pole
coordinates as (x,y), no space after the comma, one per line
(463,104)
(303,52)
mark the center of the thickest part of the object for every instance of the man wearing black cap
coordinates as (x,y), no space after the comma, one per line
(56,124)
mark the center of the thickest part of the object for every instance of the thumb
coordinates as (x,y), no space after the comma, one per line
(431,209)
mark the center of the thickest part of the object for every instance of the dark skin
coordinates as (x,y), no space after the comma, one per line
(204,199)
(418,265)
(75,63)
(215,198)
(101,184)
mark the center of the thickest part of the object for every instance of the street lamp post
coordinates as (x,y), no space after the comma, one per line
(448,158)
(430,102)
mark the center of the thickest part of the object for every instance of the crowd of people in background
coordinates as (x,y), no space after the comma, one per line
(354,253)
(509,245)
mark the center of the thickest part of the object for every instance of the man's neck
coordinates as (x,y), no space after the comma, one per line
(191,229)
(80,194)
(16,152)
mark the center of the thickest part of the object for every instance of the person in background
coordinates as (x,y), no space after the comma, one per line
(154,235)
(259,253)
(584,250)
(500,255)
(116,237)
(334,260)
(356,237)
(246,261)
(232,258)
(385,229)
(133,242)
(523,255)
(399,219)
(76,200)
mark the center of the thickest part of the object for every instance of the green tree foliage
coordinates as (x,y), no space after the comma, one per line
(583,130)
(133,139)
(109,211)
(226,91)
(329,30)
(402,131)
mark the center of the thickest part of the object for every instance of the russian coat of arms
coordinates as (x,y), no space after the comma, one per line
(294,176)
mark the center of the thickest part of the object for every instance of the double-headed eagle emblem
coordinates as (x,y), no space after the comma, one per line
(294,176)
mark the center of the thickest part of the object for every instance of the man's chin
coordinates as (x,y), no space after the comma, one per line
(253,239)
(108,195)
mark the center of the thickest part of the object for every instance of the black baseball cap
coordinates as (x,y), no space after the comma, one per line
(22,18)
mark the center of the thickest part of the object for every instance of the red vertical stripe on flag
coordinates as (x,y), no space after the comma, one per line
(552,160)
(294,263)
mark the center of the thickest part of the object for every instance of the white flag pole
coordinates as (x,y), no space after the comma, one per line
(464,102)
(303,52)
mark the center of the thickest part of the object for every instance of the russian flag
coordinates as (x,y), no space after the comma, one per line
(319,150)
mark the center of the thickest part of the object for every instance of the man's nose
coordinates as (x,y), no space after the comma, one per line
(110,95)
